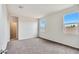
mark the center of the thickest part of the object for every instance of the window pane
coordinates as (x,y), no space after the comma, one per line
(71,23)
(42,24)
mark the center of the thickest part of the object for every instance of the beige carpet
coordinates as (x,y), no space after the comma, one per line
(38,46)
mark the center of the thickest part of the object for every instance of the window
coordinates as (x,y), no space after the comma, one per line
(42,24)
(71,22)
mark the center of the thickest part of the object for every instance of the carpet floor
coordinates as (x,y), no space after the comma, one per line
(38,46)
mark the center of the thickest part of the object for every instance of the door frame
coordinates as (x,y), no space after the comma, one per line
(17,27)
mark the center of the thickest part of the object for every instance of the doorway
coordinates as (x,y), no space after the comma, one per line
(14,28)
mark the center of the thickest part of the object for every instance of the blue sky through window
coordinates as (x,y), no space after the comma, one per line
(71,18)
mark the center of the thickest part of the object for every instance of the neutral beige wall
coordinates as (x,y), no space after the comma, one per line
(27,28)
(54,28)
(4,27)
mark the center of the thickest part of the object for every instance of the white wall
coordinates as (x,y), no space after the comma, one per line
(54,28)
(27,28)
(4,28)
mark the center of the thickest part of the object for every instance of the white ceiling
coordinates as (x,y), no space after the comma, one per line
(35,10)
